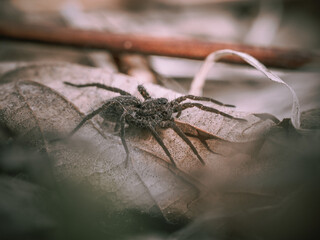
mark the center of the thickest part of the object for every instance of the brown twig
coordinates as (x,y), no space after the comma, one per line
(142,44)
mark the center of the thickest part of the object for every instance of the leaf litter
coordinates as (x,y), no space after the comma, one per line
(35,102)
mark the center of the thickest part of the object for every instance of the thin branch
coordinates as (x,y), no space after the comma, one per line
(143,44)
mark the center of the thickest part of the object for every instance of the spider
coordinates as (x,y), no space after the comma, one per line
(152,113)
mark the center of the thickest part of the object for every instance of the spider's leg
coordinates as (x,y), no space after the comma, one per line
(86,118)
(184,106)
(116,127)
(179,114)
(99,85)
(197,98)
(161,143)
(143,91)
(122,135)
(186,139)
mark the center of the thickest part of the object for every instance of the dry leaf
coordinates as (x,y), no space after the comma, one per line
(34,103)
(199,79)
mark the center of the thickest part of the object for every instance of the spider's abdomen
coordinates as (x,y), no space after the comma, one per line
(119,105)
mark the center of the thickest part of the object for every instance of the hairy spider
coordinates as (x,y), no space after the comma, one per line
(151,113)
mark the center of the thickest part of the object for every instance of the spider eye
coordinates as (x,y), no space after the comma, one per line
(162,101)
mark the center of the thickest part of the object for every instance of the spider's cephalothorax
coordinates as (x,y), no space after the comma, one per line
(152,113)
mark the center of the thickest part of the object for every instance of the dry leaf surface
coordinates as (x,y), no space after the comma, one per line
(35,104)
